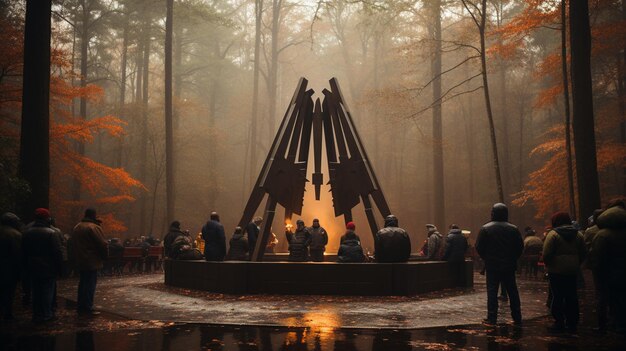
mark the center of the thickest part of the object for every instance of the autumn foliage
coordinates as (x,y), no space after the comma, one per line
(104,185)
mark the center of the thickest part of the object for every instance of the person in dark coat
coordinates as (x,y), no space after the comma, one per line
(392,243)
(608,250)
(319,239)
(239,248)
(90,252)
(456,245)
(214,239)
(435,244)
(499,244)
(350,234)
(10,261)
(299,242)
(43,258)
(350,251)
(563,253)
(173,233)
(252,230)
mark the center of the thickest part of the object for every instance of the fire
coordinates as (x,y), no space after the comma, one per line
(288,226)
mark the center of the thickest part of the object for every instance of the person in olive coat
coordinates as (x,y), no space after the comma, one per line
(238,250)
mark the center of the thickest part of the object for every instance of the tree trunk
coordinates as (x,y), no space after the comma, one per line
(258,12)
(143,142)
(273,73)
(438,184)
(492,130)
(583,119)
(120,143)
(34,166)
(568,134)
(169,134)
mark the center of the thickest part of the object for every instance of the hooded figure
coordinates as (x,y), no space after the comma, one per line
(319,239)
(563,253)
(171,235)
(499,244)
(610,262)
(434,243)
(299,243)
(456,246)
(392,243)
(238,250)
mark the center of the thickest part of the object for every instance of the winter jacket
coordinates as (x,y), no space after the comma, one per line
(532,245)
(609,246)
(319,238)
(239,248)
(349,235)
(499,243)
(435,246)
(253,234)
(41,250)
(392,243)
(89,247)
(299,245)
(214,241)
(171,235)
(10,248)
(350,251)
(564,250)
(182,249)
(456,246)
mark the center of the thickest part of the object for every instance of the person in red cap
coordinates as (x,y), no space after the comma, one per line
(43,260)
(350,234)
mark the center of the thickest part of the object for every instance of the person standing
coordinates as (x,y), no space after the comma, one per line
(434,243)
(299,242)
(90,252)
(10,262)
(532,252)
(499,244)
(608,250)
(214,239)
(456,245)
(563,253)
(253,229)
(392,243)
(319,239)
(43,259)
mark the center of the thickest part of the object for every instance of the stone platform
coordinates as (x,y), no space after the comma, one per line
(318,278)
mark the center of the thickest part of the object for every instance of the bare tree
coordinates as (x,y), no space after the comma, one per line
(169,136)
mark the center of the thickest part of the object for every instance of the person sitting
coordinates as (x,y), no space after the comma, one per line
(299,243)
(392,243)
(238,250)
(182,249)
(350,251)
(173,233)
(350,234)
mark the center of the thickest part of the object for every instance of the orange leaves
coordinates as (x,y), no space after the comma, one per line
(80,130)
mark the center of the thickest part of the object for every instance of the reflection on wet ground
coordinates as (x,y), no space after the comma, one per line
(227,338)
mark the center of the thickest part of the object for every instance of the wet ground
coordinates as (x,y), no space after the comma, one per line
(115,330)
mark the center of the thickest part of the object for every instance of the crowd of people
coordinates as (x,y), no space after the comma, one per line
(43,253)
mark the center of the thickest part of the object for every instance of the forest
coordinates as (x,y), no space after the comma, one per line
(155,110)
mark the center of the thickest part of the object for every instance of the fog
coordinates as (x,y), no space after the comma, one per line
(383,54)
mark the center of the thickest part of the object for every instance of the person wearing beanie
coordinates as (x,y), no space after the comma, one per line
(173,233)
(43,259)
(350,234)
(10,261)
(299,242)
(90,252)
(319,239)
(563,253)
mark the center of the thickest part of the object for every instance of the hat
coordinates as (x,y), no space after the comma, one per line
(315,220)
(350,226)
(560,218)
(42,213)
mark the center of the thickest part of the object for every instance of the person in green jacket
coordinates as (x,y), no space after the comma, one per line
(609,261)
(563,252)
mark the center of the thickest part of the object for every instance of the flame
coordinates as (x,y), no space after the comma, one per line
(288,225)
